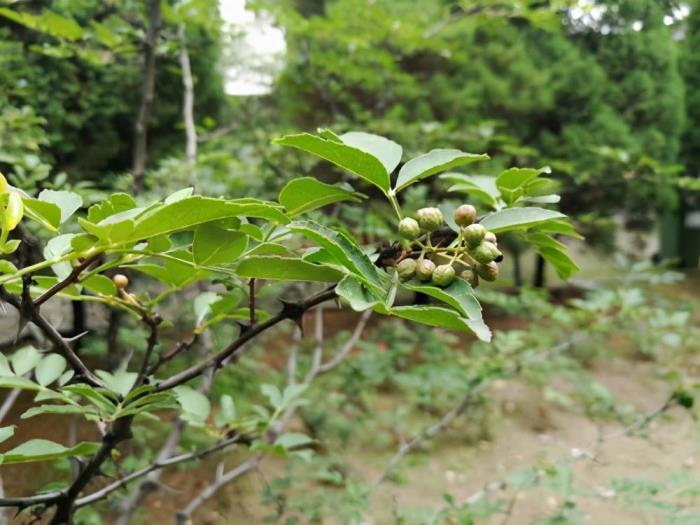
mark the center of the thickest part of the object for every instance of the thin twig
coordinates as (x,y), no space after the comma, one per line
(157,465)
(152,342)
(289,311)
(251,297)
(222,479)
(60,345)
(72,278)
(472,393)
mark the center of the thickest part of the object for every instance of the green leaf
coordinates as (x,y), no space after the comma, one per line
(121,382)
(45,213)
(14,210)
(214,245)
(432,163)
(202,305)
(356,161)
(561,260)
(18,382)
(285,269)
(100,284)
(512,181)
(49,369)
(7,432)
(292,440)
(306,194)
(83,242)
(61,26)
(195,405)
(273,394)
(159,244)
(458,295)
(5,369)
(518,218)
(67,201)
(95,396)
(444,318)
(187,213)
(329,135)
(358,296)
(227,411)
(482,187)
(269,248)
(179,195)
(343,249)
(387,151)
(24,360)
(47,22)
(6,267)
(116,203)
(44,450)
(59,409)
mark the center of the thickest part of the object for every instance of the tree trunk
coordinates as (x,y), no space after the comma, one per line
(188,109)
(140,153)
(539,277)
(517,269)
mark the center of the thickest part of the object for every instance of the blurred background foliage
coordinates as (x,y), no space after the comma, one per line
(605,92)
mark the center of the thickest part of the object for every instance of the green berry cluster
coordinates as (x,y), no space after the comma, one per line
(474,253)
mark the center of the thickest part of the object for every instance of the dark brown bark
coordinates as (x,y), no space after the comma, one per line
(539,280)
(140,154)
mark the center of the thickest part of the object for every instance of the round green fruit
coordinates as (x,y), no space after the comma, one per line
(487,252)
(443,275)
(429,219)
(465,215)
(488,272)
(406,269)
(409,228)
(425,269)
(474,234)
(491,237)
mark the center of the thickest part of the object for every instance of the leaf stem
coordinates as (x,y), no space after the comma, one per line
(394,203)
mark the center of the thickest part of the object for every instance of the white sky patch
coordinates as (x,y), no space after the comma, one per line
(257,55)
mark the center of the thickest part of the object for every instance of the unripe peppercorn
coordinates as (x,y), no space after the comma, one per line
(491,237)
(465,215)
(425,269)
(487,252)
(488,272)
(443,275)
(409,228)
(471,277)
(429,219)
(406,269)
(121,281)
(474,234)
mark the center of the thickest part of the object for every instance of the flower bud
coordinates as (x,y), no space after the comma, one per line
(409,228)
(121,281)
(474,234)
(465,215)
(471,277)
(487,252)
(406,269)
(443,275)
(491,237)
(488,272)
(429,219)
(425,269)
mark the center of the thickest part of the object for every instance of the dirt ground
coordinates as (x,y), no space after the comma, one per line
(529,431)
(526,430)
